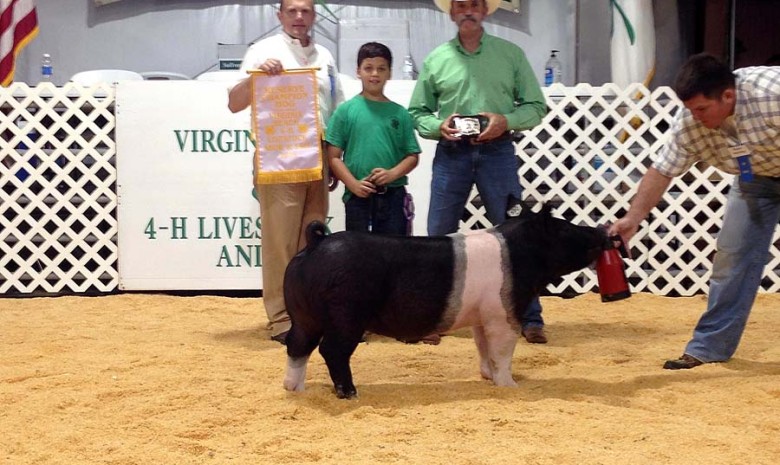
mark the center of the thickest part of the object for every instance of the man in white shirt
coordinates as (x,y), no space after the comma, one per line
(286,209)
(732,122)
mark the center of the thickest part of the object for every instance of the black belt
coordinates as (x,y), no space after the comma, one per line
(507,136)
(381,190)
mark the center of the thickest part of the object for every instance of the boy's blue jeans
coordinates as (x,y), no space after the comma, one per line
(752,213)
(378,213)
(492,167)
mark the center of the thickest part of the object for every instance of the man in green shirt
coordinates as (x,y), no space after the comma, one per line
(476,74)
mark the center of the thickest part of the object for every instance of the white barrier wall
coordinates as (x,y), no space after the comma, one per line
(187,216)
(67,177)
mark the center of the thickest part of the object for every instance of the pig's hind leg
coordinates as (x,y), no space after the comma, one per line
(336,348)
(300,345)
(295,377)
(484,359)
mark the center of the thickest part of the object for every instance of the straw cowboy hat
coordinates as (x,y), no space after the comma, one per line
(444,5)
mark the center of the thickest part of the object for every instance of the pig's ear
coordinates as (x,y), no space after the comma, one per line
(546,209)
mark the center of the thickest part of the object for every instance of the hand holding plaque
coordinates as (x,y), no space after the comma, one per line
(469,126)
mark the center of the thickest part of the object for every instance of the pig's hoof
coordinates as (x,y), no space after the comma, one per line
(343,392)
(504,381)
(293,385)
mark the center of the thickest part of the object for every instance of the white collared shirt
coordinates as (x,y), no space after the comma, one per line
(293,55)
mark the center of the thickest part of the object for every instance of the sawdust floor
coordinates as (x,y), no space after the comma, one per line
(158,379)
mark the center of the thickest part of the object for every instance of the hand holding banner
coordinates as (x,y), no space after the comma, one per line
(286,127)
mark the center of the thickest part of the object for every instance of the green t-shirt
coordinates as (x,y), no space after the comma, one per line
(372,135)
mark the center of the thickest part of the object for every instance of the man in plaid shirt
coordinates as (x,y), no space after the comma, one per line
(732,122)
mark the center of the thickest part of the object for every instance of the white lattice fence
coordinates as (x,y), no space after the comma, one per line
(58,201)
(587,157)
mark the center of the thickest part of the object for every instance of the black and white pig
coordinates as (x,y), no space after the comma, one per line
(344,284)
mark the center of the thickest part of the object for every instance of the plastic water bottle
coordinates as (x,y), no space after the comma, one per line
(552,69)
(408,69)
(46,68)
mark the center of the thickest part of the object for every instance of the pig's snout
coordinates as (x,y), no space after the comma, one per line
(606,240)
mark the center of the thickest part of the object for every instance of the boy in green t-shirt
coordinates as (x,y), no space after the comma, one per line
(372,147)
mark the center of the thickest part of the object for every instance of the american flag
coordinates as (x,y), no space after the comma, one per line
(18,26)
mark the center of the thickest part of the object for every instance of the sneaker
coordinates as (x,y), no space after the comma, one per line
(534,335)
(683,363)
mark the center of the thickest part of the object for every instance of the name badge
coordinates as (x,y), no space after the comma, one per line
(739,151)
(741,155)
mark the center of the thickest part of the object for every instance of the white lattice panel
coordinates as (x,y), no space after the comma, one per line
(587,157)
(57,190)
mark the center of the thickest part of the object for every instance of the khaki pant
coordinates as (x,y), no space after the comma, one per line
(285,211)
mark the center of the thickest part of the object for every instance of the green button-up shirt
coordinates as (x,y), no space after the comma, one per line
(496,78)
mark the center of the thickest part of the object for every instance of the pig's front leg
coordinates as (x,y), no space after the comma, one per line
(484,359)
(500,340)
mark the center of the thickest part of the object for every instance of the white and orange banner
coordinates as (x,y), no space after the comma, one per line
(286,127)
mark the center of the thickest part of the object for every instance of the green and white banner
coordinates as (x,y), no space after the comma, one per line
(633,42)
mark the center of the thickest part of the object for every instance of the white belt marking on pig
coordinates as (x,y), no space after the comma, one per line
(481,281)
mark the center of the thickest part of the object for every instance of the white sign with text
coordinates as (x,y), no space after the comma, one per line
(187,216)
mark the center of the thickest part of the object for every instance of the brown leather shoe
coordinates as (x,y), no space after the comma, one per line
(281,338)
(683,363)
(431,340)
(534,335)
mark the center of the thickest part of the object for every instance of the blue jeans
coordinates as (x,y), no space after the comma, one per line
(379,213)
(457,167)
(752,213)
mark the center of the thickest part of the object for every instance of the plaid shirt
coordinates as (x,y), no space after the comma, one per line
(757,121)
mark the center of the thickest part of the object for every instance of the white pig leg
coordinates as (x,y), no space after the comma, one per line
(484,359)
(486,300)
(501,346)
(296,373)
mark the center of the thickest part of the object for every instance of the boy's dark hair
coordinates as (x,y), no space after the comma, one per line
(703,74)
(374,50)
